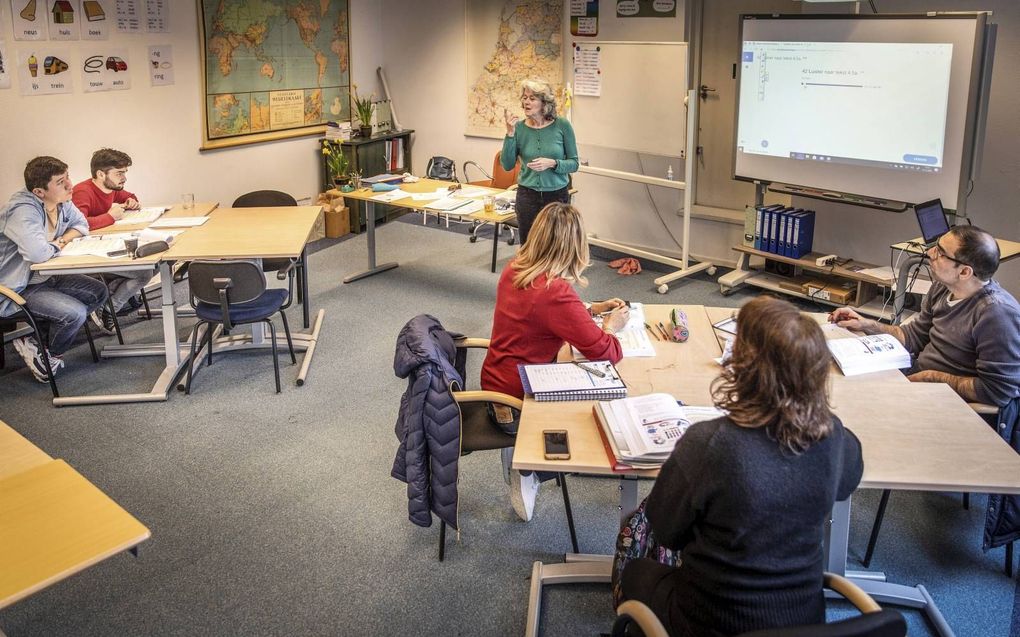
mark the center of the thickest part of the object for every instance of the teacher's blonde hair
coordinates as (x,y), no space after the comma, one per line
(557,246)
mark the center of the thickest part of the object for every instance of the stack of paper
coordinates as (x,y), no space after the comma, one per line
(143,215)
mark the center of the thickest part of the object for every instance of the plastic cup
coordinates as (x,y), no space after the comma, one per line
(131,245)
(489,202)
(188,200)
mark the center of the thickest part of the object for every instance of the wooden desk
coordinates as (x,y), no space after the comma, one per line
(244,233)
(949,447)
(1008,249)
(56,523)
(17,454)
(366,195)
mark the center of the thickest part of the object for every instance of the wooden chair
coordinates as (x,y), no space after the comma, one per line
(874,622)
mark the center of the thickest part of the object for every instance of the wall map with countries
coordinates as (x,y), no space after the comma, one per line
(272,68)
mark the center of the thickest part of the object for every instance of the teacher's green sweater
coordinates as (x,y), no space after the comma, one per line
(555,141)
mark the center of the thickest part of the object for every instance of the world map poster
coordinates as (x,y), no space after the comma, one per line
(273,68)
(509,41)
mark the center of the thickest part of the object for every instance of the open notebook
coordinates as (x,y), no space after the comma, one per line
(590,380)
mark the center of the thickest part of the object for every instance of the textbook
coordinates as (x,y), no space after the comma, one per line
(640,432)
(591,380)
(865,354)
(142,215)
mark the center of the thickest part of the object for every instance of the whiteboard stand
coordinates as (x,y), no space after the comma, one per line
(687,185)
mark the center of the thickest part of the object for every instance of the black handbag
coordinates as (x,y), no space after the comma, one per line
(441,168)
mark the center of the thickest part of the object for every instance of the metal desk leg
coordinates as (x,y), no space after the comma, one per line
(577,568)
(372,267)
(171,350)
(872,583)
(304,287)
(495,243)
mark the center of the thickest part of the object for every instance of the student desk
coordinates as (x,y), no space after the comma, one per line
(244,233)
(366,195)
(950,448)
(55,523)
(1008,250)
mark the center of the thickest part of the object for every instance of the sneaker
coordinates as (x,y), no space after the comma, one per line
(28,348)
(103,320)
(132,304)
(523,489)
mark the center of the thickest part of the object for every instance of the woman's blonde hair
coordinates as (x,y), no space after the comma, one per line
(778,375)
(557,246)
(544,92)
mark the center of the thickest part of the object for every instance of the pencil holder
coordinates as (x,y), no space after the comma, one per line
(680,332)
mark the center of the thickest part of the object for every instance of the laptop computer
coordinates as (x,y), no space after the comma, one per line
(932,219)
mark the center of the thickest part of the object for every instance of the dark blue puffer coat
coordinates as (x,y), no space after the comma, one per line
(428,425)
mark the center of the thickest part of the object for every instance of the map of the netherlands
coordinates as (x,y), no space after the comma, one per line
(529,44)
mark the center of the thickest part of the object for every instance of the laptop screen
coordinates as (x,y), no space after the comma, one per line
(932,219)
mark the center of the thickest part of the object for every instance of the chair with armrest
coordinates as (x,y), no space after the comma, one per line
(273,199)
(232,293)
(24,315)
(502,179)
(873,622)
(478,433)
(992,415)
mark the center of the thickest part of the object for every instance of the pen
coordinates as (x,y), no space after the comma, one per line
(590,370)
(665,334)
(649,328)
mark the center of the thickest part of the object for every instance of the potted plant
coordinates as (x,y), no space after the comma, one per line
(336,163)
(363,107)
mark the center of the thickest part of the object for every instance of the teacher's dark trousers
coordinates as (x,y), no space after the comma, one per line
(530,203)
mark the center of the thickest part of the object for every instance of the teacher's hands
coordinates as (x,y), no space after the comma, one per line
(542,163)
(511,122)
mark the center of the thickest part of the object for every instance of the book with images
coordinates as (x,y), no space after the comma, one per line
(591,380)
(641,432)
(866,354)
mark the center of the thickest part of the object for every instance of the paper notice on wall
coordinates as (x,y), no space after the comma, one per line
(584,17)
(96,19)
(129,16)
(578,7)
(63,20)
(106,69)
(157,16)
(43,72)
(5,66)
(587,71)
(161,65)
(29,19)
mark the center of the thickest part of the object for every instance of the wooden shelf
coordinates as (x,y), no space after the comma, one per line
(807,262)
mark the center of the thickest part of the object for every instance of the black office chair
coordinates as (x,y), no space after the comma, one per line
(23,315)
(231,293)
(874,622)
(271,199)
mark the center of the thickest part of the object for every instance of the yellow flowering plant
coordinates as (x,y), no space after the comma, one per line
(336,161)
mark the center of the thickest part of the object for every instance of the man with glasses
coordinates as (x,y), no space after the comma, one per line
(103,200)
(967,333)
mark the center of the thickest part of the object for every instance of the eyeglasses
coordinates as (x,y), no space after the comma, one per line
(940,253)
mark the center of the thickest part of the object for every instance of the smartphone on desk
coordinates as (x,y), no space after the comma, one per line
(556,446)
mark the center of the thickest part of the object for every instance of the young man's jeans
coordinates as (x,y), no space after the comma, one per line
(125,285)
(64,302)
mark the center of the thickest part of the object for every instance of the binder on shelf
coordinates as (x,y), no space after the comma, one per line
(773,231)
(804,227)
(766,223)
(591,380)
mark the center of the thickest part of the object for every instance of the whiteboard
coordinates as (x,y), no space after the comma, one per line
(641,107)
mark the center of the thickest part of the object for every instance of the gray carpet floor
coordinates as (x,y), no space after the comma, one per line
(276,514)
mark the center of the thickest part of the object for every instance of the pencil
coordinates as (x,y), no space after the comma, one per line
(665,334)
(649,328)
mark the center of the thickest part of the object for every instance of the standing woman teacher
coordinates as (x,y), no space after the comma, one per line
(548,151)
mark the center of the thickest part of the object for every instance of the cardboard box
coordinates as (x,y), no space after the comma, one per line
(843,293)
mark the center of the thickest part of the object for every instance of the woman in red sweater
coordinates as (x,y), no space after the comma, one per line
(537,311)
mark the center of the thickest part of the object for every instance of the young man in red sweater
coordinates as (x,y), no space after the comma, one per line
(103,200)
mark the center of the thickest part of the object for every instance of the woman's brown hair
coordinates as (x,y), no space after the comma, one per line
(557,246)
(778,374)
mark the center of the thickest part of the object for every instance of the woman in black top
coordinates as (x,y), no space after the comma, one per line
(743,499)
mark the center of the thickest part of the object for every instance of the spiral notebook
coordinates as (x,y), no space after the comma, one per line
(591,380)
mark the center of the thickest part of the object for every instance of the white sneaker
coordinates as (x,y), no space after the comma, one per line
(29,350)
(523,489)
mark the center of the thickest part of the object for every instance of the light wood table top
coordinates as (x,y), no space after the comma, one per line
(1007,249)
(918,436)
(241,233)
(420,186)
(56,523)
(17,454)
(201,209)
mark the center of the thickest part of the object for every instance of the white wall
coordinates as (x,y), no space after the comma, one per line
(160,127)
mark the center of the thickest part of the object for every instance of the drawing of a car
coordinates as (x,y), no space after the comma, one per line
(114,63)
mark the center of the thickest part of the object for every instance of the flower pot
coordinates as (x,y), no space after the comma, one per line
(339,181)
(366,131)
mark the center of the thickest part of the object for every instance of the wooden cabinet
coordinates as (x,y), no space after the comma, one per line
(369,155)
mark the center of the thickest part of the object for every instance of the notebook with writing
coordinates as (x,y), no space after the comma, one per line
(591,380)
